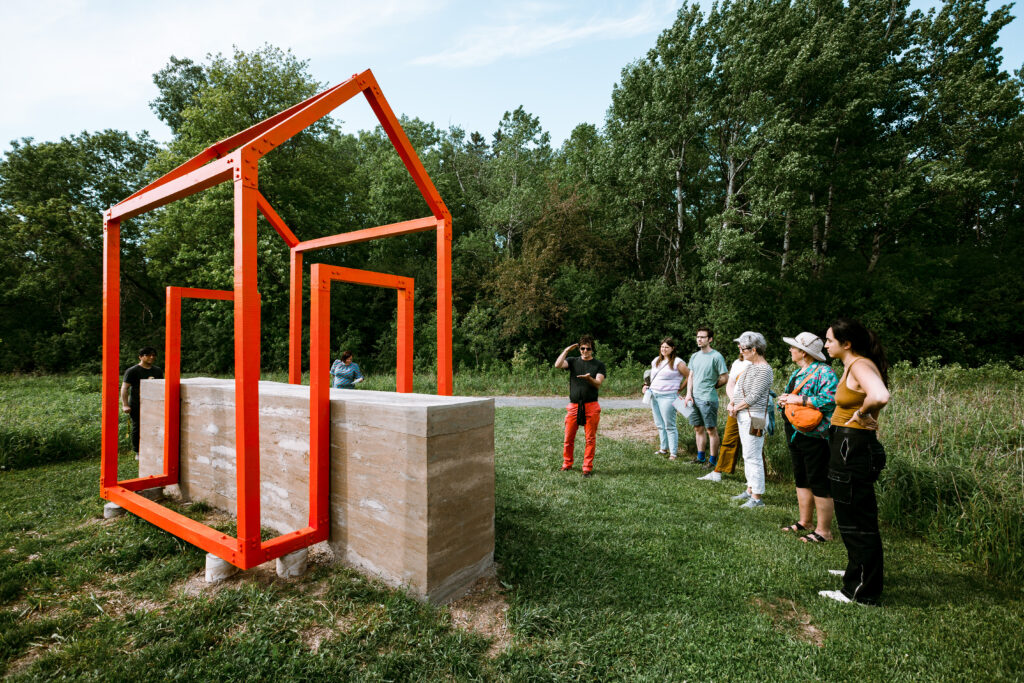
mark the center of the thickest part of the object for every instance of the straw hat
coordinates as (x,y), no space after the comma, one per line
(808,342)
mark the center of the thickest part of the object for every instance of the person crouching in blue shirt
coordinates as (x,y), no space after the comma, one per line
(345,374)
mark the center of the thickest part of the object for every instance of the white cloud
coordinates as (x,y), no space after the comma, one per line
(530,31)
(84,56)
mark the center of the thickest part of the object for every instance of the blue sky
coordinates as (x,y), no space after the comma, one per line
(74,65)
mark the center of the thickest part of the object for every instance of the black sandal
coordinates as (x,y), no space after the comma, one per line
(794,528)
(814,537)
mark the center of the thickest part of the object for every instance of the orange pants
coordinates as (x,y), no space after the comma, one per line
(729,448)
(593,412)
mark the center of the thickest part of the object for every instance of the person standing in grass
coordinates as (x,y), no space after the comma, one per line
(749,405)
(586,375)
(668,379)
(345,374)
(130,388)
(730,448)
(812,384)
(857,457)
(707,372)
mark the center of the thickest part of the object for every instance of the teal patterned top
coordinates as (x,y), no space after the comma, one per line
(820,391)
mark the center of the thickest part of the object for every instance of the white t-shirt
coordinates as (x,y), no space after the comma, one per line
(665,379)
(738,366)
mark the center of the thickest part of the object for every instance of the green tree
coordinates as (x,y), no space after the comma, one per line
(52,196)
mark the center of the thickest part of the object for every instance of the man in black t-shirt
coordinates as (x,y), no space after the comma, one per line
(130,388)
(586,374)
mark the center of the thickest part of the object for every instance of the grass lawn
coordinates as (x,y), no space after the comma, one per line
(641,572)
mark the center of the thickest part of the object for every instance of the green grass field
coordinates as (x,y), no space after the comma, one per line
(641,572)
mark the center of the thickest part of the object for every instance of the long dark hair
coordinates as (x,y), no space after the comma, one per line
(863,342)
(671,356)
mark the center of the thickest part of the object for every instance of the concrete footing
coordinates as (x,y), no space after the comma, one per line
(218,569)
(111,510)
(153,494)
(293,564)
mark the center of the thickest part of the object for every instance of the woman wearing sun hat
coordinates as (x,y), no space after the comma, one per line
(811,397)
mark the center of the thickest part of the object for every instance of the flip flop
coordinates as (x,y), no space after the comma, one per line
(794,528)
(814,537)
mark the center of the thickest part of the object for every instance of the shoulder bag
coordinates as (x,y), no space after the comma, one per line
(804,418)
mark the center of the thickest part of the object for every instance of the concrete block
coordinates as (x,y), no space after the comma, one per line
(293,564)
(111,510)
(411,481)
(218,569)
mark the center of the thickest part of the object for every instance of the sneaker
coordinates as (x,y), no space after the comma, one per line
(711,476)
(753,503)
(587,474)
(565,468)
(707,465)
(838,596)
(837,572)
(743,495)
(661,451)
(697,461)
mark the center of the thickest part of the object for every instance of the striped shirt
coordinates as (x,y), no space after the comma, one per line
(820,391)
(753,386)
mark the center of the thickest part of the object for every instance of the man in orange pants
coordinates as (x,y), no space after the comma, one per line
(586,374)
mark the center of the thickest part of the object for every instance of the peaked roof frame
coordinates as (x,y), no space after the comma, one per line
(236,159)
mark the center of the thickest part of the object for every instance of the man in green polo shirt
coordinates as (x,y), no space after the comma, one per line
(707,372)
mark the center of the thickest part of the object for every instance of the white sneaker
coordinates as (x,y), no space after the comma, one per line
(837,572)
(743,495)
(834,595)
(753,503)
(711,476)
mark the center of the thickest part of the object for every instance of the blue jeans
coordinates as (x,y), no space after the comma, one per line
(665,420)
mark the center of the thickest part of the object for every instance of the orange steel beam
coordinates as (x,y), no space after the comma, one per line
(367,234)
(247,356)
(188,184)
(405,150)
(172,372)
(219,149)
(275,220)
(110,410)
(321,276)
(295,318)
(445,367)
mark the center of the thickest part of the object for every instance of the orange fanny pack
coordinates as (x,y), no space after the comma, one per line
(803,418)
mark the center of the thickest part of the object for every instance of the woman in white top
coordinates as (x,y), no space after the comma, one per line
(668,378)
(729,450)
(750,401)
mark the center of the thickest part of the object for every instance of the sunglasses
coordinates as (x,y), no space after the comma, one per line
(746,348)
(585,348)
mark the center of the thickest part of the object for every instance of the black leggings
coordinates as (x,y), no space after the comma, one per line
(857,459)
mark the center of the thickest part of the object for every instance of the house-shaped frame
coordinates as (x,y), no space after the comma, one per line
(236,159)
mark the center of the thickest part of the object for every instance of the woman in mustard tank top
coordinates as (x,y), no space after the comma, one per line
(857,458)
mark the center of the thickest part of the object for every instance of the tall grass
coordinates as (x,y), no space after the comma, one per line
(49,419)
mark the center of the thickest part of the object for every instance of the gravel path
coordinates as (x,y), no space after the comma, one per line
(555,402)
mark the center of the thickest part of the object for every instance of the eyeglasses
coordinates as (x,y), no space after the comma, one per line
(585,348)
(746,348)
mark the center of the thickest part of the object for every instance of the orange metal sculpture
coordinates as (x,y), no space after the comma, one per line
(237,159)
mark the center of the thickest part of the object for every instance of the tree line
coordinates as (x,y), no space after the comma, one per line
(768,165)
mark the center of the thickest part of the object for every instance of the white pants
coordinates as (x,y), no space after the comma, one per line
(753,462)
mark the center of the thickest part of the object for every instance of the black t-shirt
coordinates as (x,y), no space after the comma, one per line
(132,377)
(580,390)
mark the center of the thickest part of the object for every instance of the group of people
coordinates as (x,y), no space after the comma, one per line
(830,426)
